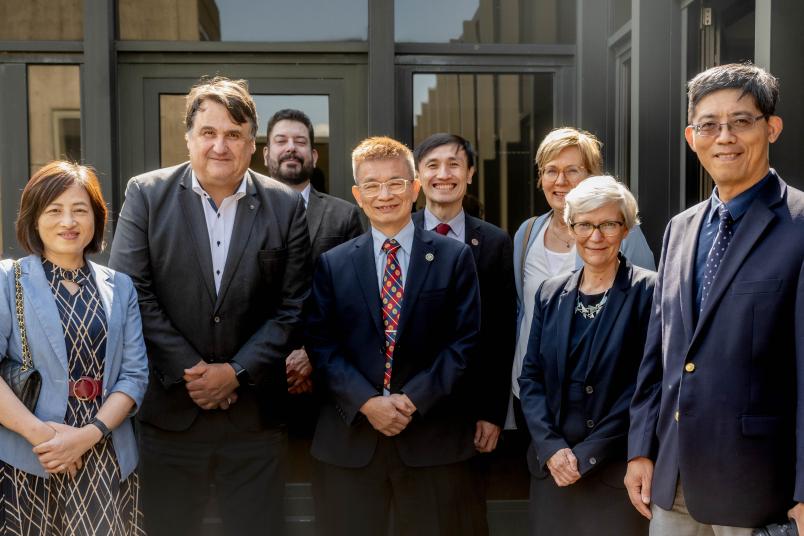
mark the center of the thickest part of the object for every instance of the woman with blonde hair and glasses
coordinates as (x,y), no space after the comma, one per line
(67,461)
(584,348)
(544,247)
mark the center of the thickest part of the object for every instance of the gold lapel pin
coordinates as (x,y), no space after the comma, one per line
(475,242)
(429,257)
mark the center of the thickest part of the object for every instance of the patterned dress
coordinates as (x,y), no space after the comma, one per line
(96,501)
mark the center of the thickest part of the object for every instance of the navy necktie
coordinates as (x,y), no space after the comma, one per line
(719,247)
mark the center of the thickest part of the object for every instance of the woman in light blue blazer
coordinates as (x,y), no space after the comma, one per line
(69,467)
(544,247)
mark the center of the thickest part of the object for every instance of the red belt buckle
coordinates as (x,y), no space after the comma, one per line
(85,388)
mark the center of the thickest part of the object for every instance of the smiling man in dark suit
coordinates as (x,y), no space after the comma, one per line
(392,329)
(220,257)
(716,444)
(446,167)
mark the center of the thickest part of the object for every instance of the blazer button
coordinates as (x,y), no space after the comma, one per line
(592,460)
(689,367)
(590,423)
(676,416)
(589,389)
(217,320)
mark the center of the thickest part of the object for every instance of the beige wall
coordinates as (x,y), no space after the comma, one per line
(169,20)
(42,19)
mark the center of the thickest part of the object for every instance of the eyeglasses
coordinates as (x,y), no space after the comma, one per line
(584,229)
(571,173)
(737,124)
(392,187)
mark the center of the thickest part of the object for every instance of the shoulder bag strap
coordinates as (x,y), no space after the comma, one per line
(528,230)
(27,360)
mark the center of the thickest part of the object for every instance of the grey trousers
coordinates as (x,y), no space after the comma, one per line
(678,522)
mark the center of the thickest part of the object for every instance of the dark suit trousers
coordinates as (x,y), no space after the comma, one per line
(425,500)
(177,468)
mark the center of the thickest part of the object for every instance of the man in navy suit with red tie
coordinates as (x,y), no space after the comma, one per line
(716,444)
(392,328)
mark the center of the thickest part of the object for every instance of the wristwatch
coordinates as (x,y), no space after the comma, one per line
(104,430)
(240,373)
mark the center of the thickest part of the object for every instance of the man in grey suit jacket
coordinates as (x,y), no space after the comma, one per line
(716,443)
(220,257)
(291,158)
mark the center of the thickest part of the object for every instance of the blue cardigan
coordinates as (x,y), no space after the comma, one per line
(634,247)
(125,363)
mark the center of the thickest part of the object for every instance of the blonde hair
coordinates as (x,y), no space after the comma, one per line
(565,137)
(596,192)
(381,148)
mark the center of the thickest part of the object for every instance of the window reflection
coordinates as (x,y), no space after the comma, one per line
(47,20)
(484,21)
(173,149)
(504,116)
(243,20)
(54,114)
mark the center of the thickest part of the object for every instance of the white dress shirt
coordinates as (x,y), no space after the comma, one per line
(220,222)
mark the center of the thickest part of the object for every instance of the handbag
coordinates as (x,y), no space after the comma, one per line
(23,379)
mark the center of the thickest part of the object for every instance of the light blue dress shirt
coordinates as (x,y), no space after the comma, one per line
(457,225)
(405,239)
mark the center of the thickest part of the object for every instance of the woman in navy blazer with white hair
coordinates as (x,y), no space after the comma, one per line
(69,467)
(586,343)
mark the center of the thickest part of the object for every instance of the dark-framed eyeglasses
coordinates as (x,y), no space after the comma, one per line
(736,124)
(584,229)
(392,187)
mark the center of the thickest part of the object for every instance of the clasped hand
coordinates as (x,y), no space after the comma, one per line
(389,415)
(563,467)
(298,370)
(211,385)
(63,452)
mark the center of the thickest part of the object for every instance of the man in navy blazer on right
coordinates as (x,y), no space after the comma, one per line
(716,444)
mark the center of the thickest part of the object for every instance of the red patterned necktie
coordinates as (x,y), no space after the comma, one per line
(443,228)
(391,294)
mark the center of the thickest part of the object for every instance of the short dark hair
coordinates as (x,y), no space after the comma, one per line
(45,186)
(443,138)
(750,79)
(231,94)
(289,114)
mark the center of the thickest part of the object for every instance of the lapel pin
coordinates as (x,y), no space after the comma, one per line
(475,242)
(429,257)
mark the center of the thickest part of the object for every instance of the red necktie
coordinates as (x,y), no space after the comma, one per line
(443,228)
(391,294)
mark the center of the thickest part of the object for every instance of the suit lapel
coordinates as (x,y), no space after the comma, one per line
(114,328)
(566,306)
(315,213)
(193,213)
(756,219)
(686,261)
(418,268)
(474,238)
(36,291)
(609,313)
(247,208)
(366,271)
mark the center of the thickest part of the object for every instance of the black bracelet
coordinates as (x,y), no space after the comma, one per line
(104,430)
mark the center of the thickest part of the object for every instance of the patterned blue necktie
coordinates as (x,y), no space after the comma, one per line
(719,247)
